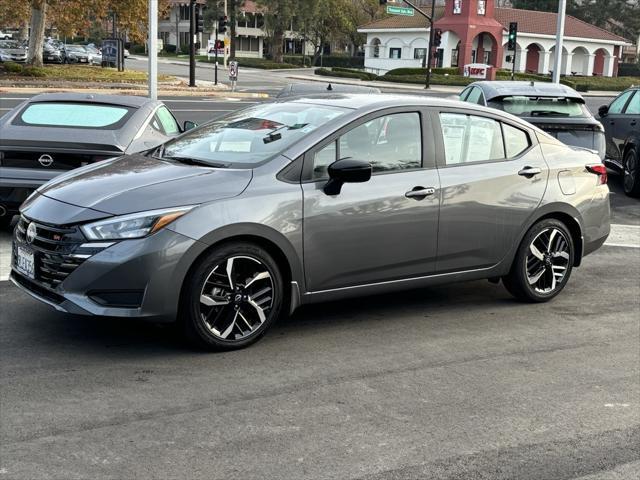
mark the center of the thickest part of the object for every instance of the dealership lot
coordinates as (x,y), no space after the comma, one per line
(452,382)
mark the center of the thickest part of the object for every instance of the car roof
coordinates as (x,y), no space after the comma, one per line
(507,88)
(294,89)
(124,100)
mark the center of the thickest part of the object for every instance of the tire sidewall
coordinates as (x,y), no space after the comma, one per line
(191,302)
(635,188)
(520,265)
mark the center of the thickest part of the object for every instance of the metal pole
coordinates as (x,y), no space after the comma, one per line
(427,82)
(153,49)
(215,68)
(513,66)
(557,63)
(224,35)
(192,43)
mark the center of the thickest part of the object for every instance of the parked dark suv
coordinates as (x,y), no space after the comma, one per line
(621,120)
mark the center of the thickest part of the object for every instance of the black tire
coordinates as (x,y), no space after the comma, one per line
(240,316)
(527,265)
(631,172)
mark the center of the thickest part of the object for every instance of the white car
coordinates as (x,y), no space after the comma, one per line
(5,36)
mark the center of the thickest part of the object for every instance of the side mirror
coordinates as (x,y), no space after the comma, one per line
(188,125)
(603,110)
(346,171)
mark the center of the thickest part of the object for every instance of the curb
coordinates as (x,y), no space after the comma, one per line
(397,86)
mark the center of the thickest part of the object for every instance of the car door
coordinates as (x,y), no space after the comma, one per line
(381,230)
(615,126)
(492,178)
(629,124)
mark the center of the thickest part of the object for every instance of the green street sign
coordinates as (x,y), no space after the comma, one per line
(400,11)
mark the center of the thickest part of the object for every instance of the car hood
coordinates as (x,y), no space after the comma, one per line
(13,51)
(135,183)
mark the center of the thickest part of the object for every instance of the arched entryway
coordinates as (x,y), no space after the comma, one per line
(598,61)
(533,58)
(552,60)
(375,47)
(580,61)
(485,49)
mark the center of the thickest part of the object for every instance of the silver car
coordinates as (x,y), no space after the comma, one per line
(242,220)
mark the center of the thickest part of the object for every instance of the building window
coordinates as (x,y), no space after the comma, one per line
(419,53)
(375,43)
(184,12)
(248,44)
(184,40)
(482,7)
(454,57)
(457,7)
(473,56)
(439,57)
(395,53)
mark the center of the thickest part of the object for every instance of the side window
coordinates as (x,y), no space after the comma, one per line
(634,105)
(475,96)
(465,94)
(618,104)
(168,122)
(516,141)
(322,159)
(389,143)
(470,138)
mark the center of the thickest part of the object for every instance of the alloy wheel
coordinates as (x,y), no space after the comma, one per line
(547,260)
(630,172)
(236,298)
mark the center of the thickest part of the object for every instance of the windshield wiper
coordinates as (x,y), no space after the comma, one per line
(274,134)
(196,161)
(548,113)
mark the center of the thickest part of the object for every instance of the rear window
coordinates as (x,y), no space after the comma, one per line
(525,106)
(80,115)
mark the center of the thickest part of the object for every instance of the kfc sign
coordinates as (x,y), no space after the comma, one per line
(476,70)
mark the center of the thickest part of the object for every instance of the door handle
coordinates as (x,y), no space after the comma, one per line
(529,172)
(420,192)
(633,123)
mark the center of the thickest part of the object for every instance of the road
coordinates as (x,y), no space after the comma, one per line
(452,382)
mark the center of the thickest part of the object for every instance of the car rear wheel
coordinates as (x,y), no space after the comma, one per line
(232,297)
(543,262)
(631,172)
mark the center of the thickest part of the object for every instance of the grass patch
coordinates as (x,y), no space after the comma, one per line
(85,73)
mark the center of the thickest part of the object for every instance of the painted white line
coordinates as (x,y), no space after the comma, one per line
(626,236)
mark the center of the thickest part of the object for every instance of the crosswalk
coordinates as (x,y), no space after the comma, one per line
(622,236)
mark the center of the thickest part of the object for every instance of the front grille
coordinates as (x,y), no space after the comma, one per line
(55,251)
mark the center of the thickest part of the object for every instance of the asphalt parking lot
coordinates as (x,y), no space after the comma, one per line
(453,382)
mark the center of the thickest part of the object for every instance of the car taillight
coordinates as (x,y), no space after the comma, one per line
(599,170)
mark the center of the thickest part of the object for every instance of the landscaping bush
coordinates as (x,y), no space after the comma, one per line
(629,70)
(362,74)
(343,61)
(170,48)
(33,72)
(423,71)
(138,49)
(262,63)
(12,67)
(436,79)
(345,74)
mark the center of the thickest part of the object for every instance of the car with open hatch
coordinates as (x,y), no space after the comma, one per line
(242,220)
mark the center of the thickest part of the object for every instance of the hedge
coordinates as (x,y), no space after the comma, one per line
(12,67)
(345,74)
(327,61)
(423,71)
(263,63)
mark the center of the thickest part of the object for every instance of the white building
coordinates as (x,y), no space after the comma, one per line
(475,31)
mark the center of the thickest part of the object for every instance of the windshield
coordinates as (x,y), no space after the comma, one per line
(9,44)
(532,106)
(251,135)
(76,48)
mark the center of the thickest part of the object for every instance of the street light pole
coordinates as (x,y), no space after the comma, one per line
(427,81)
(153,49)
(192,43)
(557,61)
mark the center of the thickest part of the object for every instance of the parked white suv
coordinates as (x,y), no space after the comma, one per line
(5,36)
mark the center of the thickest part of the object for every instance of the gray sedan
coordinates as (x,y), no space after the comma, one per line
(238,222)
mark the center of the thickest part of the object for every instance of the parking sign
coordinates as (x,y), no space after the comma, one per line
(233,71)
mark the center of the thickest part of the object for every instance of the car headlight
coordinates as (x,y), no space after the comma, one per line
(135,225)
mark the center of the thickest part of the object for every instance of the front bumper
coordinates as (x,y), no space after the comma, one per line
(147,273)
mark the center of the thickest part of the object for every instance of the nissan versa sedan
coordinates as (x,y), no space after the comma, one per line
(240,221)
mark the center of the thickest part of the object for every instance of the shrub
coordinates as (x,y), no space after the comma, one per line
(12,67)
(262,63)
(137,49)
(33,72)
(345,73)
(423,71)
(343,61)
(169,48)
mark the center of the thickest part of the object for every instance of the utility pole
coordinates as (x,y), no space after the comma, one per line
(557,61)
(153,49)
(192,43)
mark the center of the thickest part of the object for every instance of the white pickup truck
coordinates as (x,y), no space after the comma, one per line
(5,36)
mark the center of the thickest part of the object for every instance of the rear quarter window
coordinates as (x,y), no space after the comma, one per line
(74,115)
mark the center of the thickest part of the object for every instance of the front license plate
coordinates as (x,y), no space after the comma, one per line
(49,58)
(25,263)
(83,60)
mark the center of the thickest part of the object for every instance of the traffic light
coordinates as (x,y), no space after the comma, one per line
(437,37)
(222,24)
(199,20)
(513,33)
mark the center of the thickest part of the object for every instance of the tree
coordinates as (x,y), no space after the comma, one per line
(277,20)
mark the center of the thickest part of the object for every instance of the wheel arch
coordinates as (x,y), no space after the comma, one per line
(276,244)
(574,227)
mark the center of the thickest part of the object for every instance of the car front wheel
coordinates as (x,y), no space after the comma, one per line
(631,179)
(232,297)
(543,262)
